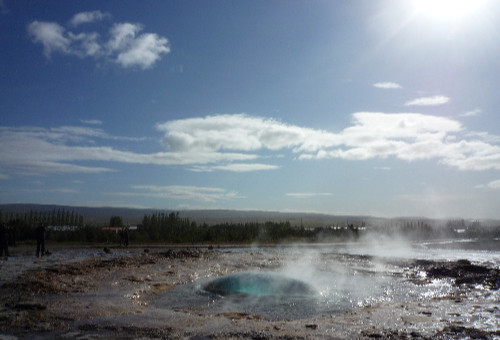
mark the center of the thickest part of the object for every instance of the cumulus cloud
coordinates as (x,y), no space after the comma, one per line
(428,101)
(240,132)
(51,35)
(122,35)
(88,17)
(406,136)
(132,49)
(125,44)
(387,85)
(86,45)
(136,50)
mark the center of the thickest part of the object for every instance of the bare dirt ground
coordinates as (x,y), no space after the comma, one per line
(110,293)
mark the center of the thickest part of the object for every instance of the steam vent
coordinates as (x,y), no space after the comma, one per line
(259,284)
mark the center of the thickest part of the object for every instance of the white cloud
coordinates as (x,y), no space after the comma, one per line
(39,151)
(472,113)
(204,194)
(236,142)
(238,132)
(88,17)
(428,101)
(143,51)
(407,136)
(122,35)
(387,85)
(494,185)
(64,191)
(236,167)
(125,46)
(51,35)
(91,121)
(484,136)
(85,45)
(307,194)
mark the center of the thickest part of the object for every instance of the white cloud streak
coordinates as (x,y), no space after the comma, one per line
(494,185)
(236,142)
(236,167)
(307,194)
(88,17)
(179,192)
(428,101)
(91,121)
(124,46)
(472,113)
(40,151)
(387,85)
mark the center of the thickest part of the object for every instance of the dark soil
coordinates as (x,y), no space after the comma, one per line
(462,271)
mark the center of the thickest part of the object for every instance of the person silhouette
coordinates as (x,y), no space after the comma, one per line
(4,240)
(40,240)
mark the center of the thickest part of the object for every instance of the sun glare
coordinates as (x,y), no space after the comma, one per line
(447,9)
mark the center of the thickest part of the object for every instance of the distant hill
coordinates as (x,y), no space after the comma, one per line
(101,215)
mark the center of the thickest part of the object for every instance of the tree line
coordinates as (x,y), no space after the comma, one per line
(55,217)
(22,225)
(171,228)
(162,227)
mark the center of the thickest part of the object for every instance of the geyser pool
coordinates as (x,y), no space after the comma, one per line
(284,283)
(268,294)
(259,284)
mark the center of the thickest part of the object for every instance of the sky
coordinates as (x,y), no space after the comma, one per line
(364,107)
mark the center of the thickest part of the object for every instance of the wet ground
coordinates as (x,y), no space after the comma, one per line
(157,292)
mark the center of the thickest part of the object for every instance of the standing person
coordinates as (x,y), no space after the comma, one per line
(125,236)
(4,240)
(40,240)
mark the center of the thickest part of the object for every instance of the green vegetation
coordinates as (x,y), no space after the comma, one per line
(171,228)
(160,227)
(116,221)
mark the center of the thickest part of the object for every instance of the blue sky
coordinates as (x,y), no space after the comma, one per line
(383,107)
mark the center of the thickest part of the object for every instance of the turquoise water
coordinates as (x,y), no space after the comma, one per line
(259,284)
(293,282)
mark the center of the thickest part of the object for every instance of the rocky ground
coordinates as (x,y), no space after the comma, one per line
(111,294)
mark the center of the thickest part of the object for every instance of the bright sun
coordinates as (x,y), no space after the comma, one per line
(448,9)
